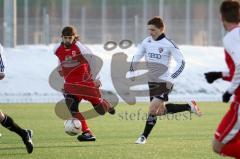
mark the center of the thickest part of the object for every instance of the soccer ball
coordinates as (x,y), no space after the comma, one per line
(72,126)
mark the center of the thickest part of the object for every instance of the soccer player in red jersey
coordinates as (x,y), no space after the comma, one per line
(227,136)
(7,122)
(80,79)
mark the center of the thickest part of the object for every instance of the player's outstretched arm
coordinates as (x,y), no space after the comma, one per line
(137,57)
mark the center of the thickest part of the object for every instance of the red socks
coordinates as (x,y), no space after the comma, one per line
(80,117)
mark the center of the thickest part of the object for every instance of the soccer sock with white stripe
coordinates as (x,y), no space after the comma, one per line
(151,121)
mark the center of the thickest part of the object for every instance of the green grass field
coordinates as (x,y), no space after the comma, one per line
(173,137)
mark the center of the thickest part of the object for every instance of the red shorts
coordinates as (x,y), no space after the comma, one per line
(229,128)
(84,90)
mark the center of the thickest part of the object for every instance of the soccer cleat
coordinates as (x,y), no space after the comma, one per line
(141,140)
(86,136)
(194,108)
(27,140)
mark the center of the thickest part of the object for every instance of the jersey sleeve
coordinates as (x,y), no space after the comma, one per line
(56,47)
(232,46)
(92,60)
(2,60)
(137,57)
(178,57)
(228,75)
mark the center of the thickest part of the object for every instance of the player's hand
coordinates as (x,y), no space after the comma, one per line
(2,75)
(226,97)
(98,83)
(212,76)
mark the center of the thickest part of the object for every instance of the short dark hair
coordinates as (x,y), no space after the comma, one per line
(69,31)
(230,11)
(157,22)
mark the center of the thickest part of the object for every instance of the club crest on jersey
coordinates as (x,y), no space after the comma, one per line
(160,50)
(74,53)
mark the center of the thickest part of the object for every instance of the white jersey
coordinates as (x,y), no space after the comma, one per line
(231,43)
(158,55)
(2,60)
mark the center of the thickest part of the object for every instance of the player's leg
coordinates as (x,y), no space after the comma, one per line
(231,149)
(72,103)
(156,105)
(172,108)
(94,96)
(158,95)
(101,106)
(227,136)
(161,91)
(26,135)
(217,146)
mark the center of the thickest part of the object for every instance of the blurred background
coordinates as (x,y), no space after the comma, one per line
(191,22)
(29,30)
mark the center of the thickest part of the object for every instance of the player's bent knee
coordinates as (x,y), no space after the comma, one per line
(2,116)
(162,110)
(215,149)
(100,109)
(217,146)
(157,110)
(153,112)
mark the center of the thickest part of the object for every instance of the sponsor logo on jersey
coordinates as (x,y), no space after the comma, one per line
(153,55)
(68,58)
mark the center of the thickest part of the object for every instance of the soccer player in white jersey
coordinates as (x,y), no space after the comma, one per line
(7,122)
(158,50)
(226,141)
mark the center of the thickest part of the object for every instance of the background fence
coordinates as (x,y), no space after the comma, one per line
(193,22)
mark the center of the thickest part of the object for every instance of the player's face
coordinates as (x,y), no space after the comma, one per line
(154,31)
(68,40)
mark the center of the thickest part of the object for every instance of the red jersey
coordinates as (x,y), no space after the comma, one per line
(232,57)
(228,130)
(73,62)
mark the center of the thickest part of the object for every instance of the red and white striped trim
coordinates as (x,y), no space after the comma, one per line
(235,124)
